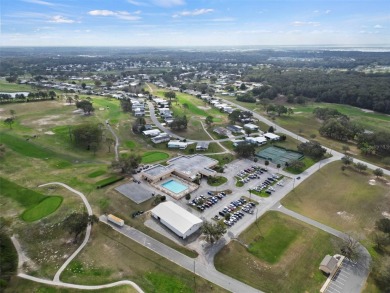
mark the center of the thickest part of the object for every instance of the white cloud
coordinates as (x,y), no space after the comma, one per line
(118,14)
(168,3)
(378,26)
(39,2)
(305,23)
(60,19)
(193,12)
(137,3)
(328,11)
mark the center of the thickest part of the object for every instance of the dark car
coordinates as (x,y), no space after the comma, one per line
(298,177)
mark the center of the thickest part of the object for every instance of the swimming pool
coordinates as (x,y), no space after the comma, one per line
(174,186)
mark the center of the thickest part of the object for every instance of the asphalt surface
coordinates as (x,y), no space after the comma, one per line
(207,271)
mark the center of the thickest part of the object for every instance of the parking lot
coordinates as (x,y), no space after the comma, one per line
(346,278)
(235,209)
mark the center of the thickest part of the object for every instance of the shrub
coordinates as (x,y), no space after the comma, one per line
(108,181)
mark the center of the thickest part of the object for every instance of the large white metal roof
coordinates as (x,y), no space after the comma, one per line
(176,216)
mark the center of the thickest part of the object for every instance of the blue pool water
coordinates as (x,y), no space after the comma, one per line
(174,186)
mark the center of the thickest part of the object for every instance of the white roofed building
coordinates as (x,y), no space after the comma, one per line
(177,219)
(271,136)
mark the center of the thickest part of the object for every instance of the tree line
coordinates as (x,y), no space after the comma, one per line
(368,91)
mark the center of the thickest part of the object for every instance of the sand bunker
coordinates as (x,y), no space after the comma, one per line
(49,132)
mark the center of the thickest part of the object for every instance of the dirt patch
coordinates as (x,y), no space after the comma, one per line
(372,182)
(367,111)
(204,108)
(52,120)
(345,216)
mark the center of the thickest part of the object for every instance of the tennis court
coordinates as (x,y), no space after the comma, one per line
(278,155)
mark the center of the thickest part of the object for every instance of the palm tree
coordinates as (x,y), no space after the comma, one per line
(213,232)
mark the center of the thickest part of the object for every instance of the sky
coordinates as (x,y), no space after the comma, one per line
(194,22)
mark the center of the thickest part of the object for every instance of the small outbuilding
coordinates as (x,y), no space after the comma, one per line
(328,264)
(177,219)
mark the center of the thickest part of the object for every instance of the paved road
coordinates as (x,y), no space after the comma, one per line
(354,275)
(116,140)
(205,270)
(280,129)
(87,234)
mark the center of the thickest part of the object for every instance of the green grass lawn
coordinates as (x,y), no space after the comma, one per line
(37,205)
(271,246)
(283,255)
(216,181)
(46,207)
(96,173)
(24,147)
(14,87)
(151,157)
(343,200)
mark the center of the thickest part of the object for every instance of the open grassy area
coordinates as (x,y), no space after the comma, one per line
(341,199)
(22,285)
(274,242)
(37,205)
(151,157)
(46,207)
(14,87)
(283,255)
(129,260)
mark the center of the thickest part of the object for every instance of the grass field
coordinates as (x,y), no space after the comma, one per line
(24,147)
(274,242)
(22,285)
(129,260)
(283,255)
(343,200)
(37,205)
(46,207)
(151,157)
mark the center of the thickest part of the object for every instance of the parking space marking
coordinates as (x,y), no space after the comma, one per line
(333,284)
(332,290)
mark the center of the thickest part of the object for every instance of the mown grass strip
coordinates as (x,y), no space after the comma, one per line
(96,173)
(37,205)
(150,157)
(46,207)
(108,181)
(24,147)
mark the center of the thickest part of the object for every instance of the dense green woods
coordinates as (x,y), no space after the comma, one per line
(369,91)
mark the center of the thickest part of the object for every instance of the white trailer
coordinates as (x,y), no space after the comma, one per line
(115,220)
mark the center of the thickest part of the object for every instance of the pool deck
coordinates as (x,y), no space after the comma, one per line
(191,187)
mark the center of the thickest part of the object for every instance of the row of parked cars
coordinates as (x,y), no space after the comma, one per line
(202,202)
(235,210)
(267,184)
(251,173)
